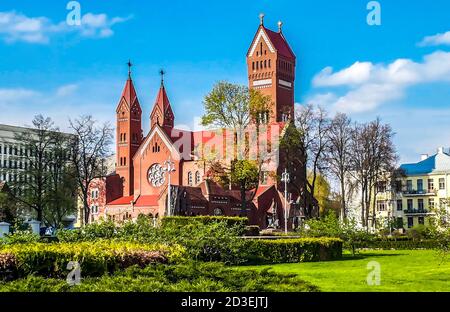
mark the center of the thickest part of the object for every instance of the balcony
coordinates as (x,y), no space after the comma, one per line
(419,193)
(416,211)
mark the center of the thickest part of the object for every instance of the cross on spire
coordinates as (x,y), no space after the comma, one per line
(129,68)
(261,18)
(162,73)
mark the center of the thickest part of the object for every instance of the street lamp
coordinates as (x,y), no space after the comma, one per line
(169,167)
(285,179)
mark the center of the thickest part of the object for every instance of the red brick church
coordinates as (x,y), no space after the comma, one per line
(145,163)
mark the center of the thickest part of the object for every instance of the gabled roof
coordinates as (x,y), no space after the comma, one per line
(437,163)
(276,41)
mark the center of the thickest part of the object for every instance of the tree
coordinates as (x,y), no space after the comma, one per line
(40,156)
(62,181)
(321,192)
(8,209)
(338,155)
(373,156)
(88,150)
(313,127)
(31,185)
(236,107)
(233,106)
(245,174)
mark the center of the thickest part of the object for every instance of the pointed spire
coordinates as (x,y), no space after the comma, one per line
(162,105)
(261,19)
(128,93)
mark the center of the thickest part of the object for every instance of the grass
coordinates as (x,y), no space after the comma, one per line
(401,271)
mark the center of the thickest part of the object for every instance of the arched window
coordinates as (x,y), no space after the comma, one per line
(269,63)
(190,178)
(124,161)
(197,177)
(265,63)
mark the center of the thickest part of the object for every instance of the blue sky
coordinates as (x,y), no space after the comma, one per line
(344,64)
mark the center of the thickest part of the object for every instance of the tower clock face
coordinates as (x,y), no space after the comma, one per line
(156,175)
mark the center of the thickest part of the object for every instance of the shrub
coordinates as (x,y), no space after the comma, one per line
(189,277)
(95,258)
(182,221)
(419,232)
(399,244)
(293,250)
(21,237)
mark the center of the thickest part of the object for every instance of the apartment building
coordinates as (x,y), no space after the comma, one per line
(412,198)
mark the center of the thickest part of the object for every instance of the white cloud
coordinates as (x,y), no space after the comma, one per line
(370,85)
(16,27)
(435,40)
(66,90)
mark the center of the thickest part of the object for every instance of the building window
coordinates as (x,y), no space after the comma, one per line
(190,178)
(381,187)
(197,177)
(421,220)
(420,203)
(409,185)
(420,185)
(410,222)
(430,185)
(381,205)
(410,204)
(441,183)
(399,205)
(269,63)
(399,223)
(430,203)
(253,65)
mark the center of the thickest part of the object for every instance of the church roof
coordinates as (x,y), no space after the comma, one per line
(125,200)
(279,43)
(437,163)
(147,200)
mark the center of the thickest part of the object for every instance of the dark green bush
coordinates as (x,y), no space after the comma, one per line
(293,250)
(401,244)
(189,277)
(182,221)
(95,258)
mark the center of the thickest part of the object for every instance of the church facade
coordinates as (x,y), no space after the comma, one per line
(167,172)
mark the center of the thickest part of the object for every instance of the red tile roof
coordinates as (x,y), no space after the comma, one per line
(147,200)
(279,43)
(126,200)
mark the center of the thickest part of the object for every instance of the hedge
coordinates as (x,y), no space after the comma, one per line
(95,258)
(401,244)
(182,221)
(294,250)
(189,277)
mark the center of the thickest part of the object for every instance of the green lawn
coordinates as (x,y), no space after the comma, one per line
(401,271)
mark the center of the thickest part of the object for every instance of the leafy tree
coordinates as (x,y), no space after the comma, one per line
(233,106)
(321,192)
(245,174)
